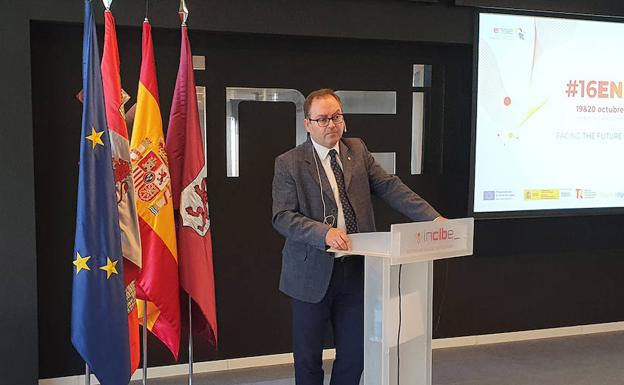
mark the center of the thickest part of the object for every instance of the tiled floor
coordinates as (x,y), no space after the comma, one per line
(596,359)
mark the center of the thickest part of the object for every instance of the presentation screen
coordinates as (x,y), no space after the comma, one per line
(549,122)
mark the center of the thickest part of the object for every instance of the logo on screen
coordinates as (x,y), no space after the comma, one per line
(505,33)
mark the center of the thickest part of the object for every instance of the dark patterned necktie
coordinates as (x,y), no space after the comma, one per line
(347,209)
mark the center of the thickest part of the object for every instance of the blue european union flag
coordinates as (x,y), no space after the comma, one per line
(99,310)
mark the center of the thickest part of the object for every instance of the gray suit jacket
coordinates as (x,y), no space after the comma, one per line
(298,210)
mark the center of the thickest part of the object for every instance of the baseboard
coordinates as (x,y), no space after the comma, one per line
(484,339)
(287,358)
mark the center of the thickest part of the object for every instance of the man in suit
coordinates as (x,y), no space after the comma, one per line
(321,193)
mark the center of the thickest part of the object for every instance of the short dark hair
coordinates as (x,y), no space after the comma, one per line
(323,92)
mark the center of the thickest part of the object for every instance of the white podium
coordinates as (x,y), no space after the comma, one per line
(398,277)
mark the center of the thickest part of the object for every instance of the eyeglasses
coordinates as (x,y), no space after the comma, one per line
(324,122)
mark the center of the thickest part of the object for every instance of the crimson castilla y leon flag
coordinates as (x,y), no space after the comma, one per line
(190,198)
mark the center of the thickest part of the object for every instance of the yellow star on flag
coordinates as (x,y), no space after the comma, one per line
(81,263)
(109,268)
(95,137)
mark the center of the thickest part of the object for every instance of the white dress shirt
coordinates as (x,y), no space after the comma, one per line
(323,154)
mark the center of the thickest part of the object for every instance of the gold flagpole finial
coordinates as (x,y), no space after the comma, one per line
(107,4)
(183,12)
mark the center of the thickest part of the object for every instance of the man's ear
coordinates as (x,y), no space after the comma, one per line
(306,124)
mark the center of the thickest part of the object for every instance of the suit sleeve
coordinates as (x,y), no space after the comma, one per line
(287,218)
(395,193)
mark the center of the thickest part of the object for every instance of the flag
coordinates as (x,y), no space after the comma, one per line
(190,199)
(158,281)
(124,184)
(99,325)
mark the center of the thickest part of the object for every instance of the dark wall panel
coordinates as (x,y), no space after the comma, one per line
(18,286)
(364,19)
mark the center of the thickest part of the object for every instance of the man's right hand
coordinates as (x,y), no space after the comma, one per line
(337,239)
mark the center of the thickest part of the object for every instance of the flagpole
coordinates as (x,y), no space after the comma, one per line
(190,343)
(87,374)
(145,301)
(144,342)
(183,13)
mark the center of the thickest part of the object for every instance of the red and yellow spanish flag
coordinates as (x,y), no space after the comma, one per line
(158,281)
(124,185)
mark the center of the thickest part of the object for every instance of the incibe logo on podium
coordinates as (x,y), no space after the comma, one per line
(432,240)
(441,234)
